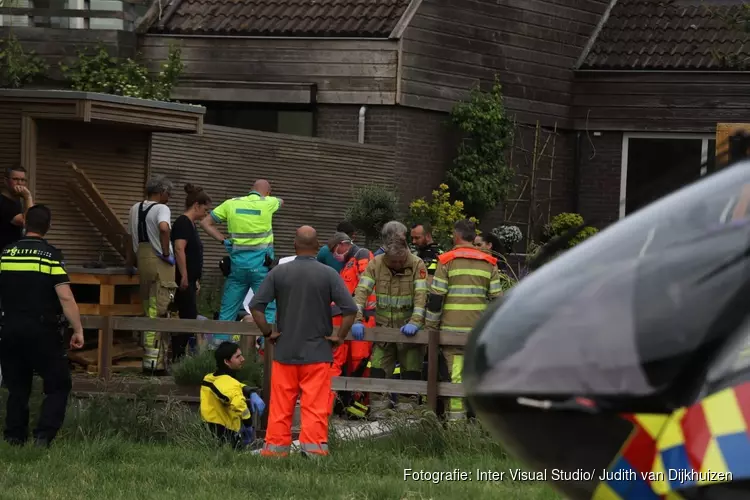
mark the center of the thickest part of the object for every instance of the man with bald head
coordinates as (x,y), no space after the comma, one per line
(304,341)
(249,244)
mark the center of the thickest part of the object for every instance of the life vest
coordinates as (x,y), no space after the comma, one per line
(466,253)
(350,273)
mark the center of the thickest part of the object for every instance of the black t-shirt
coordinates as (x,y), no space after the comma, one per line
(184,229)
(9,232)
(30,269)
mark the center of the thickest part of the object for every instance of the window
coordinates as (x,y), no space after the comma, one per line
(655,165)
(283,119)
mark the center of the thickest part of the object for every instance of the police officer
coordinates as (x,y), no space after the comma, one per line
(427,249)
(35,293)
(250,246)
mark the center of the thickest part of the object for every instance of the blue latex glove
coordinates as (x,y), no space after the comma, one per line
(248,435)
(228,246)
(409,329)
(260,342)
(256,404)
(169,260)
(358,331)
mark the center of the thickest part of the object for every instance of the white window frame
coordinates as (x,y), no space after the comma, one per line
(655,135)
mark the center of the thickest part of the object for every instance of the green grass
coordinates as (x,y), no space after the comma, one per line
(143,450)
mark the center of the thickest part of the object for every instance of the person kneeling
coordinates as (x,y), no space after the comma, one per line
(224,405)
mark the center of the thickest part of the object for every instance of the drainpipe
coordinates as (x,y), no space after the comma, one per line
(362,112)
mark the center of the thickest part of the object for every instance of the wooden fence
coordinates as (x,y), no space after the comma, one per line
(432,387)
(127,14)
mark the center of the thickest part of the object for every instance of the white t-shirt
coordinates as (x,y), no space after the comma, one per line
(249,296)
(155,216)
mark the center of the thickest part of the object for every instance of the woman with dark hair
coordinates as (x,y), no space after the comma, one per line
(489,243)
(188,250)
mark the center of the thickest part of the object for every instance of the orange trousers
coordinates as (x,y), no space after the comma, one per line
(350,355)
(313,381)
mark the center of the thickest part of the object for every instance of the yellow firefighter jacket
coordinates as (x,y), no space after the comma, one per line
(401,297)
(465,281)
(223,402)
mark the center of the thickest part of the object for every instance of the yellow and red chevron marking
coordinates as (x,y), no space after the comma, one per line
(709,437)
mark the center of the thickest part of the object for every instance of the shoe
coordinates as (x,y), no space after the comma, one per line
(42,442)
(15,441)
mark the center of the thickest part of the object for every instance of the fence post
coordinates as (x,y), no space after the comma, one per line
(267,363)
(106,339)
(433,352)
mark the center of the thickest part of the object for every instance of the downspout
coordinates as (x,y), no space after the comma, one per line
(361,135)
(577,175)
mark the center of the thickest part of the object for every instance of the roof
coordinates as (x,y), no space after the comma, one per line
(287,18)
(106,109)
(669,35)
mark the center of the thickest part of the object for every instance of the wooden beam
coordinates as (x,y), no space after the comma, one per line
(104,358)
(75,13)
(167,325)
(433,353)
(444,389)
(406,17)
(28,150)
(290,94)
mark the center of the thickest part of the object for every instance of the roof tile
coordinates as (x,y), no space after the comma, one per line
(301,18)
(670,35)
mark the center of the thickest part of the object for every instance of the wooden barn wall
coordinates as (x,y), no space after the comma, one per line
(115,160)
(10,135)
(345,71)
(651,101)
(531,45)
(58,45)
(315,177)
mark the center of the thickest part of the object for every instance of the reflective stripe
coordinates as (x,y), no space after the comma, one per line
(366,281)
(432,316)
(495,286)
(315,449)
(467,291)
(439,285)
(250,248)
(275,450)
(246,414)
(420,285)
(32,267)
(455,415)
(465,307)
(251,235)
(418,311)
(395,301)
(432,265)
(468,272)
(455,329)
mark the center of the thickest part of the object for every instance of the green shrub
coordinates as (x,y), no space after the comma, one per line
(441,213)
(564,222)
(191,369)
(373,206)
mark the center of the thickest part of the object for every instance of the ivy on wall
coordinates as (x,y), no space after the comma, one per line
(17,66)
(104,73)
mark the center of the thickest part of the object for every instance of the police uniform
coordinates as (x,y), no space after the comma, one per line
(31,339)
(429,256)
(249,223)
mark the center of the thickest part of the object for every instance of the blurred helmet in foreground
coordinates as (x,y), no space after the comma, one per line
(626,360)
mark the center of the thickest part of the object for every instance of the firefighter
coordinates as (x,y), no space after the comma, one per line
(223,398)
(465,281)
(427,249)
(352,356)
(250,246)
(149,228)
(401,295)
(392,229)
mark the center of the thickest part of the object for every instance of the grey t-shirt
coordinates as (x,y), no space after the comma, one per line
(303,290)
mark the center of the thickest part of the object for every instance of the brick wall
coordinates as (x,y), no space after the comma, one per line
(426,147)
(599,177)
(422,139)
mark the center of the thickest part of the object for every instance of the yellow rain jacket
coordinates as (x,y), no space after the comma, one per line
(223,402)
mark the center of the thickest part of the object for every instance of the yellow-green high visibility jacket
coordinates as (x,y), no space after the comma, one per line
(249,220)
(222,401)
(465,281)
(401,297)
